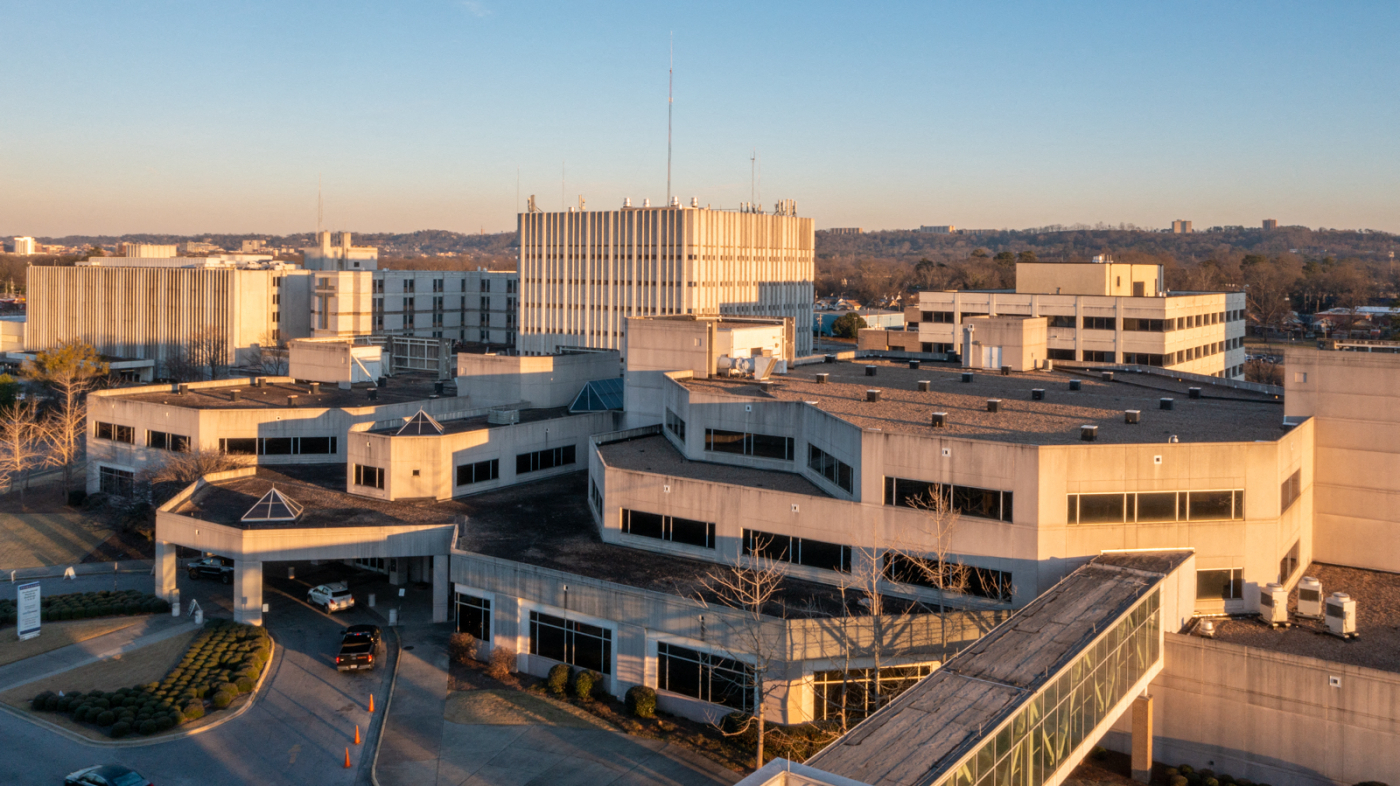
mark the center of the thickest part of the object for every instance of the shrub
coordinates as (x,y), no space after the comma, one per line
(1186,769)
(147,726)
(229,688)
(222,699)
(461,647)
(164,722)
(51,702)
(1209,782)
(38,701)
(641,701)
(244,684)
(558,679)
(1099,753)
(1177,780)
(1363,783)
(194,710)
(583,684)
(1206,774)
(106,718)
(741,727)
(120,729)
(502,663)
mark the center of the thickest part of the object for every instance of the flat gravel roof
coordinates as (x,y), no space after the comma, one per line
(656,454)
(1221,414)
(274,395)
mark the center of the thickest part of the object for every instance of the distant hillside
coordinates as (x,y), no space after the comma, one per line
(423,243)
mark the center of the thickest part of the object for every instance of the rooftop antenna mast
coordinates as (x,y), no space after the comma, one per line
(753,175)
(670,102)
(320,208)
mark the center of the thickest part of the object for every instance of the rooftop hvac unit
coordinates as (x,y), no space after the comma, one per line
(1166,403)
(870,371)
(1037,394)
(1310,598)
(913,364)
(1341,615)
(1106,376)
(1074,384)
(503,416)
(1273,604)
(822,378)
(967,376)
(1193,392)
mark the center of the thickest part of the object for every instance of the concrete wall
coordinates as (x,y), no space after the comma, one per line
(1273,718)
(1353,399)
(1017,342)
(334,361)
(424,467)
(1110,279)
(542,381)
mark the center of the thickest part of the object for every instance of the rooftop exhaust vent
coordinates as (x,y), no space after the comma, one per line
(503,417)
(273,506)
(1037,394)
(872,395)
(939,420)
(1166,403)
(1194,392)
(822,378)
(233,395)
(923,385)
(1088,433)
(1074,384)
(1106,376)
(993,405)
(314,388)
(1132,415)
(1006,371)
(967,376)
(870,371)
(914,364)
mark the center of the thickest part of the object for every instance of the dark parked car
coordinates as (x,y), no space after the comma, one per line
(106,775)
(212,568)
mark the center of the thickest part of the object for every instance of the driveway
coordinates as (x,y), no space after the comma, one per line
(296,733)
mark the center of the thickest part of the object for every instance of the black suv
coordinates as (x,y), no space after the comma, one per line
(211,567)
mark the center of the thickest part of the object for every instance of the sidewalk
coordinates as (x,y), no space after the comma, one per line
(154,628)
(421,748)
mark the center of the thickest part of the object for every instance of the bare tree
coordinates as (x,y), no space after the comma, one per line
(925,556)
(272,354)
(186,468)
(750,589)
(69,371)
(207,350)
(22,442)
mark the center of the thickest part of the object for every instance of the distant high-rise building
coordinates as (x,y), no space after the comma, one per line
(583,273)
(1269,224)
(145,251)
(939,230)
(846,231)
(253,246)
(24,246)
(339,256)
(1180,227)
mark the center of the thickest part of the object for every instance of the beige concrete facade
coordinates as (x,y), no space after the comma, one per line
(539,381)
(339,253)
(1017,343)
(151,312)
(583,274)
(1353,400)
(1104,279)
(1198,333)
(335,361)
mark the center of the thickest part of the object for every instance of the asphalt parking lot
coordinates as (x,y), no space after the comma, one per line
(303,720)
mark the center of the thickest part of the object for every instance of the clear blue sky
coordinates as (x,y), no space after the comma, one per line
(218,117)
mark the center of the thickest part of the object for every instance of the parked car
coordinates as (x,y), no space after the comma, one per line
(106,775)
(211,567)
(358,645)
(331,597)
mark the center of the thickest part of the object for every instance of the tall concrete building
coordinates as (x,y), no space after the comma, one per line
(341,255)
(583,273)
(1181,227)
(24,246)
(1270,224)
(146,251)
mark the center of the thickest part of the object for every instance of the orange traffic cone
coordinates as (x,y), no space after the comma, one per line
(357,734)
(347,758)
(371,703)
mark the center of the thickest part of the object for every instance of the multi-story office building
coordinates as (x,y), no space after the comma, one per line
(24,246)
(584,273)
(1181,227)
(1101,312)
(145,251)
(1270,224)
(340,255)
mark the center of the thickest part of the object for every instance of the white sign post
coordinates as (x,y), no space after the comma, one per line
(28,610)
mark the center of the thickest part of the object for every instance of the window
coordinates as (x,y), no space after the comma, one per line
(544,459)
(949,576)
(369,477)
(1091,356)
(437,287)
(485,285)
(1144,359)
(1152,325)
(968,500)
(826,465)
(279,446)
(1060,320)
(595,497)
(117,482)
(576,643)
(1149,507)
(703,676)
(1291,489)
(856,693)
(1225,584)
(116,433)
(744,444)
(480,472)
(675,425)
(944,317)
(672,528)
(165,441)
(1288,564)
(798,551)
(474,616)
(408,287)
(1059,354)
(239,447)
(1099,323)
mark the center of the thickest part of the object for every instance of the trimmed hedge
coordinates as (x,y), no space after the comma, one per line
(225,659)
(558,679)
(641,701)
(89,605)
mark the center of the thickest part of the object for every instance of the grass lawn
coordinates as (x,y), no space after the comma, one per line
(59,634)
(148,664)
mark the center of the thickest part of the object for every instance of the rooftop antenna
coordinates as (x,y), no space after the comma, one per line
(563,200)
(670,102)
(753,175)
(517,189)
(320,207)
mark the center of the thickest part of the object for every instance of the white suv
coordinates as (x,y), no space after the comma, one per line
(331,597)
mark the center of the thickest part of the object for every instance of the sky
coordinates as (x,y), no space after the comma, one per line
(187,118)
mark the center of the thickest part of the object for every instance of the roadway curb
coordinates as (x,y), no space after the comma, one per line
(80,569)
(388,700)
(179,735)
